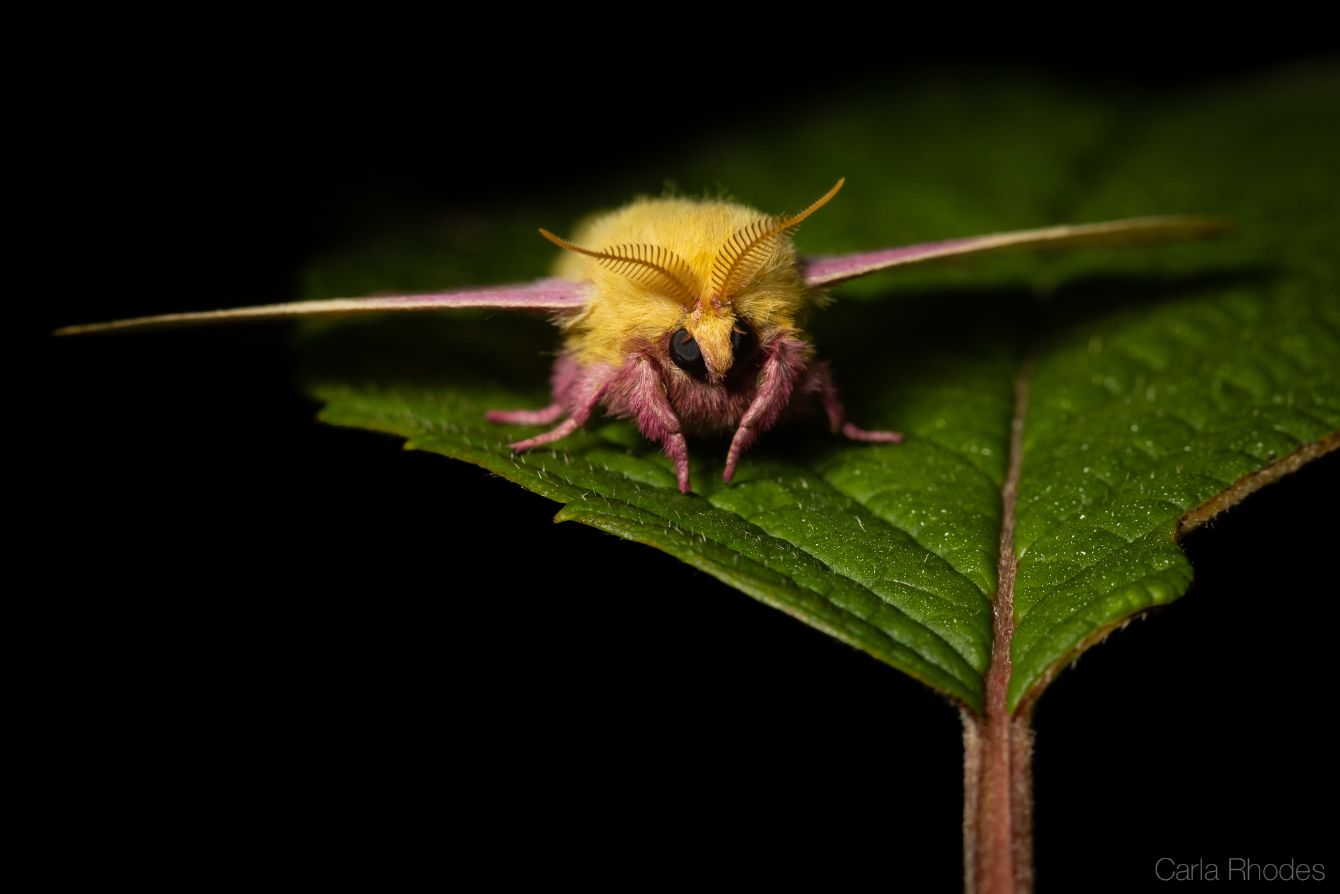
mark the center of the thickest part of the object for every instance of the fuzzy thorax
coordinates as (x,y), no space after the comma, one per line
(626,312)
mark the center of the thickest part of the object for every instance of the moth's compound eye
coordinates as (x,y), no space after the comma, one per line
(686,353)
(742,341)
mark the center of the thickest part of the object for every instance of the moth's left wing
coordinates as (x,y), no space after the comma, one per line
(554,295)
(827,271)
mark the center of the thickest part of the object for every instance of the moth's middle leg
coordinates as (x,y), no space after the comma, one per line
(543,416)
(819,379)
(583,394)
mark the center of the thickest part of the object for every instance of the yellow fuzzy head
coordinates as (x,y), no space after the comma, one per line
(708,267)
(712,333)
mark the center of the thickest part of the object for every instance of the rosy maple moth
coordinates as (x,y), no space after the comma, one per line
(685,316)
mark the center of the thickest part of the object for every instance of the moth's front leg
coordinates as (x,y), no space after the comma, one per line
(644,393)
(785,363)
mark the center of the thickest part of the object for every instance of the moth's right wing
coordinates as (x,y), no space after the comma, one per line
(828,271)
(553,295)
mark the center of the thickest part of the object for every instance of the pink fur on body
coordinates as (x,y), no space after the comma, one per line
(667,403)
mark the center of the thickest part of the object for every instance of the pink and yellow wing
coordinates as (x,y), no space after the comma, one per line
(563,296)
(553,295)
(827,271)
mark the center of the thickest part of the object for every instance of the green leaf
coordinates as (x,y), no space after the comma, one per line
(1157,380)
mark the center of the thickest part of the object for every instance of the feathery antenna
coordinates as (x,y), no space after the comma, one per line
(648,265)
(748,249)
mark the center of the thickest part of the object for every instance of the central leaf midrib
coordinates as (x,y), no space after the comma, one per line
(1084,168)
(1002,614)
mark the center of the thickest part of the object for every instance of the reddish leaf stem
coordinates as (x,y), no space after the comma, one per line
(998,747)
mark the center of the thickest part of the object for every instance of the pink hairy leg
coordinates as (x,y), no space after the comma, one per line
(544,416)
(643,392)
(583,396)
(567,381)
(820,379)
(777,379)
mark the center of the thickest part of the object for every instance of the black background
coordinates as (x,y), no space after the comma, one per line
(261,637)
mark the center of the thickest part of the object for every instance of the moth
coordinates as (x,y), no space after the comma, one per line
(686,316)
